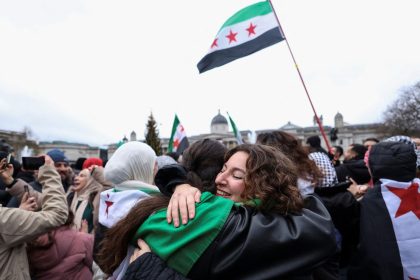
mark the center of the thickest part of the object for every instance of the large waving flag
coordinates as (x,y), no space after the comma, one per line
(235,131)
(179,141)
(249,30)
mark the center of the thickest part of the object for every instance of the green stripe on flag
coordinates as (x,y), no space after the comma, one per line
(236,131)
(174,127)
(257,9)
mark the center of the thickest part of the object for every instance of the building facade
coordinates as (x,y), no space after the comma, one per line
(219,130)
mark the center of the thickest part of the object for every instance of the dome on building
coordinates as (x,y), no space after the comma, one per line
(219,119)
(219,124)
(289,126)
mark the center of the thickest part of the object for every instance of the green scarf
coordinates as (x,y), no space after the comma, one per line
(181,247)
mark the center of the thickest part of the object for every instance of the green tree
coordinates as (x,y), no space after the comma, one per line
(403,116)
(152,135)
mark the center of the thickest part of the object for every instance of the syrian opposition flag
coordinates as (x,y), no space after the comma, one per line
(249,30)
(179,141)
(389,233)
(403,203)
(235,131)
(114,205)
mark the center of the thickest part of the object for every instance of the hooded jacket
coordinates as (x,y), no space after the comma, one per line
(378,255)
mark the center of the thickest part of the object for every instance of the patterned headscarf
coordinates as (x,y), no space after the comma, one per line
(324,164)
(406,140)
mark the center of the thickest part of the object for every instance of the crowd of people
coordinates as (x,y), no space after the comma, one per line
(276,209)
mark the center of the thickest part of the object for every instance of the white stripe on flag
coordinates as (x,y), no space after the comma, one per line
(115,205)
(264,23)
(406,228)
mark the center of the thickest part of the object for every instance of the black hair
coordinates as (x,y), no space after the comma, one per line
(359,149)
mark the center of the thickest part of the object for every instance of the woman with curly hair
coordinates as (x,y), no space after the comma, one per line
(308,172)
(257,226)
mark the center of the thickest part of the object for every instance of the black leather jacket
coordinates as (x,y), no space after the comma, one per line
(256,245)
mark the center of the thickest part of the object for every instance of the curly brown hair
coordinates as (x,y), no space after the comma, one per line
(292,148)
(270,176)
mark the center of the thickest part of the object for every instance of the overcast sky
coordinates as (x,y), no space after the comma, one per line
(92,71)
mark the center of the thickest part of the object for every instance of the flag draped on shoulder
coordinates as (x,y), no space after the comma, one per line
(402,200)
(236,132)
(179,141)
(251,29)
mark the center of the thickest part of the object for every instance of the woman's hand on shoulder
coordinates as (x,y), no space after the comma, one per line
(183,202)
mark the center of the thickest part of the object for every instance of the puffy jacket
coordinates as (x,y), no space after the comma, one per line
(68,257)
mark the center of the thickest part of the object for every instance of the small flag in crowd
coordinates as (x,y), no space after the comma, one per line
(179,141)
(236,132)
(249,30)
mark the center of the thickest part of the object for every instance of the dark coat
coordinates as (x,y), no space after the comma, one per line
(345,213)
(150,267)
(378,255)
(355,169)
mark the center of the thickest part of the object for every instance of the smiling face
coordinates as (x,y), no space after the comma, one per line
(81,180)
(230,182)
(62,169)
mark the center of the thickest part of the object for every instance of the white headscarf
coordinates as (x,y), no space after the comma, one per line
(133,161)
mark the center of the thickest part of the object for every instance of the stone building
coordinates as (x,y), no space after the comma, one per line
(73,151)
(219,130)
(346,133)
(17,142)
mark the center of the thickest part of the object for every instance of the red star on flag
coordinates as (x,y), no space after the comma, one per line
(108,204)
(176,143)
(410,200)
(251,29)
(214,45)
(232,36)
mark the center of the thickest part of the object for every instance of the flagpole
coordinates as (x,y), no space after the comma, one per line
(301,79)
